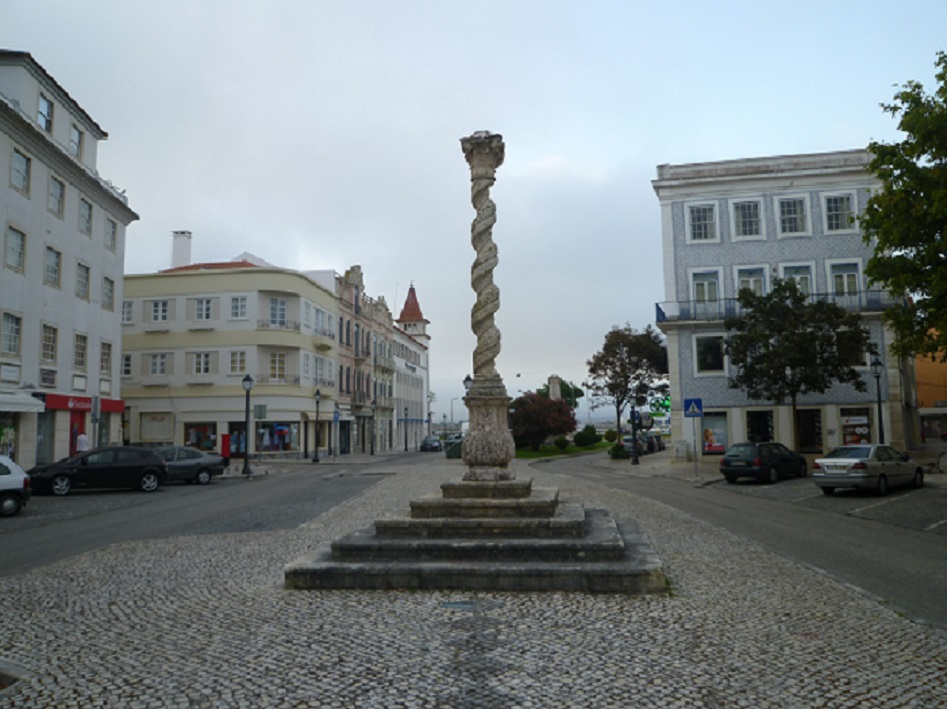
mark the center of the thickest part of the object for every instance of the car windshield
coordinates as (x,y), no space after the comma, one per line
(850,452)
(741,450)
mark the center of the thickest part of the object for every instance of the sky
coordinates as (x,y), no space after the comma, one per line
(323,134)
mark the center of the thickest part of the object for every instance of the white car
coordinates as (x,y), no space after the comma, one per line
(14,487)
(866,467)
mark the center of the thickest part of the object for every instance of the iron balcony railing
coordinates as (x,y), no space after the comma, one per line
(290,325)
(871,301)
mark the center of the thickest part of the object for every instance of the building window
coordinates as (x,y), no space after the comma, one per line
(307,313)
(48,344)
(202,309)
(839,214)
(306,364)
(45,114)
(278,312)
(76,139)
(111,235)
(126,365)
(802,275)
(14,255)
(751,279)
(108,294)
(238,307)
(57,196)
(793,219)
(10,336)
(82,281)
(85,216)
(277,366)
(844,279)
(747,220)
(126,312)
(202,363)
(238,362)
(52,267)
(20,170)
(702,222)
(708,354)
(80,347)
(159,311)
(158,364)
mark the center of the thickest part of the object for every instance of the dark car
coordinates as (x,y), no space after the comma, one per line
(431,443)
(192,465)
(118,466)
(767,462)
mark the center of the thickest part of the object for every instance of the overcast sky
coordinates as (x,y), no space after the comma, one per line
(318,135)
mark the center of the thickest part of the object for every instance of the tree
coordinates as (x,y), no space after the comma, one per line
(534,418)
(907,218)
(569,391)
(630,366)
(786,345)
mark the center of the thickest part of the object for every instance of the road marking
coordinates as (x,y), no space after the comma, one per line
(934,526)
(883,502)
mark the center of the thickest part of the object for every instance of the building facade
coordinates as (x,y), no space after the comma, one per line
(739,224)
(412,380)
(61,280)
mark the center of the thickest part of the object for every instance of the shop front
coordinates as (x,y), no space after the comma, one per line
(65,417)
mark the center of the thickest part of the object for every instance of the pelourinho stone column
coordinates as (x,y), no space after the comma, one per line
(488,447)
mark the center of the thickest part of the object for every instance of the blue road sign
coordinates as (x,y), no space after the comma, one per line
(335,416)
(693,408)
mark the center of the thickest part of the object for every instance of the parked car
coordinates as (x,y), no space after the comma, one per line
(866,467)
(629,443)
(767,462)
(116,466)
(192,465)
(431,443)
(14,487)
(655,442)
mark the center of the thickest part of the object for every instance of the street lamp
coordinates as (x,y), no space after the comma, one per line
(247,386)
(876,369)
(468,382)
(373,427)
(405,429)
(634,431)
(315,453)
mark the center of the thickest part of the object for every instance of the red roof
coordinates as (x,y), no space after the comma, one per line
(411,312)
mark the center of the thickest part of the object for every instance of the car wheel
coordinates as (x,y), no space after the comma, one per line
(10,504)
(60,485)
(731,479)
(828,491)
(803,470)
(202,477)
(882,488)
(771,476)
(148,483)
(918,479)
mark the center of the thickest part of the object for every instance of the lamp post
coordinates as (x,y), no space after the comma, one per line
(247,386)
(405,429)
(315,453)
(634,433)
(876,369)
(452,412)
(373,427)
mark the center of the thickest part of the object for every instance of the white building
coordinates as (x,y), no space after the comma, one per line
(61,281)
(739,224)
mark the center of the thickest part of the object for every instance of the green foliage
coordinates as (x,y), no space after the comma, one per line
(618,452)
(907,219)
(630,366)
(561,442)
(610,435)
(534,418)
(587,437)
(569,391)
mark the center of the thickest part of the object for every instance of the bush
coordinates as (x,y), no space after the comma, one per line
(611,436)
(587,437)
(618,451)
(561,443)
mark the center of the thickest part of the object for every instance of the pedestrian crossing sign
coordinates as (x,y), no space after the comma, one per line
(693,408)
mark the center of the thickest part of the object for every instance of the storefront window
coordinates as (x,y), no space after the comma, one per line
(201,435)
(275,436)
(759,426)
(856,426)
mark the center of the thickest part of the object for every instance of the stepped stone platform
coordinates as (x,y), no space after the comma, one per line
(496,536)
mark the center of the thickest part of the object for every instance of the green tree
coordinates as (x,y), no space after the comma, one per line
(787,344)
(570,392)
(907,218)
(630,366)
(534,418)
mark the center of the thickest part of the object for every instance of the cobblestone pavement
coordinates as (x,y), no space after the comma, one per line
(205,622)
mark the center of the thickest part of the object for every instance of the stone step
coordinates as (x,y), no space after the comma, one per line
(600,542)
(491,489)
(541,503)
(569,521)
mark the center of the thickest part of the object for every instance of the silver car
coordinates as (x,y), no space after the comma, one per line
(866,467)
(192,465)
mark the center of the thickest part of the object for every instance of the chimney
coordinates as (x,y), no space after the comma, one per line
(180,249)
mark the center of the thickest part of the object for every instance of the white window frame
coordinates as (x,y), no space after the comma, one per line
(126,365)
(44,113)
(688,226)
(111,235)
(83,281)
(11,333)
(777,213)
(726,360)
(56,203)
(160,310)
(859,277)
(732,210)
(105,358)
(52,276)
(49,337)
(85,216)
(279,309)
(801,264)
(127,312)
(851,228)
(108,293)
(238,362)
(203,308)
(14,238)
(706,307)
(737,270)
(76,141)
(238,307)
(80,351)
(277,369)
(158,364)
(20,178)
(202,363)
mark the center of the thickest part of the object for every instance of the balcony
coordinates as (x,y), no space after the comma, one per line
(386,364)
(286,379)
(323,339)
(872,301)
(283,326)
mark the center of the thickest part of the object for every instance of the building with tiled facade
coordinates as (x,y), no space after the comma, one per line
(739,224)
(61,277)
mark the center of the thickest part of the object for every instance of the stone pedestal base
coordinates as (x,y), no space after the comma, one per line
(488,445)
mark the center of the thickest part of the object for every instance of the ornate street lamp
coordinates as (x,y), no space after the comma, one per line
(877,367)
(247,386)
(315,452)
(405,429)
(373,427)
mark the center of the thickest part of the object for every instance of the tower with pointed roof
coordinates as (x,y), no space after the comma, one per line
(412,320)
